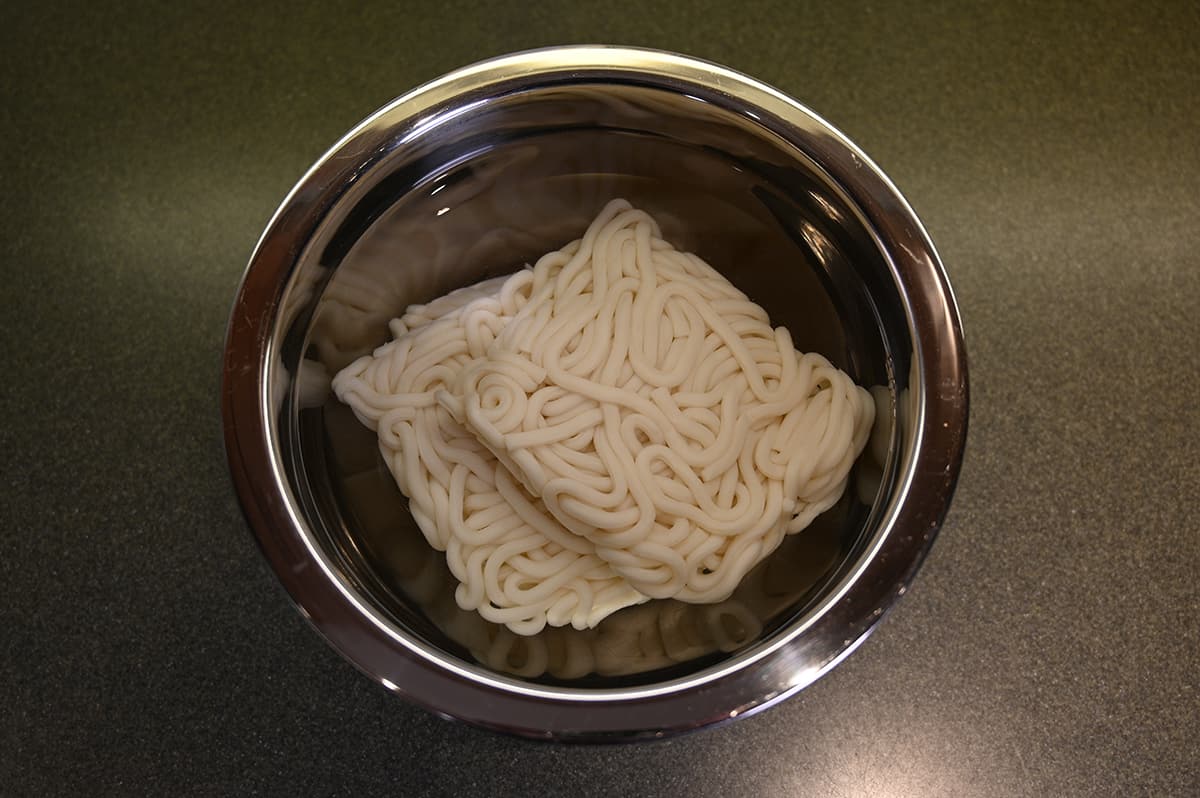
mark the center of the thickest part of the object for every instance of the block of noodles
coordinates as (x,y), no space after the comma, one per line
(617,423)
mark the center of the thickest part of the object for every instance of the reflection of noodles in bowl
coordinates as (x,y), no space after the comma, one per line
(485,170)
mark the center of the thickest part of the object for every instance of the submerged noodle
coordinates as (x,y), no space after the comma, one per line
(515,564)
(619,422)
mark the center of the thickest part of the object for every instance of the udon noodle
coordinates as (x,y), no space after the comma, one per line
(615,424)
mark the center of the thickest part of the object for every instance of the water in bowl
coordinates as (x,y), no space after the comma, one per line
(486,206)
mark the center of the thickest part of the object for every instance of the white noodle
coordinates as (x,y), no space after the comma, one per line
(619,422)
(515,564)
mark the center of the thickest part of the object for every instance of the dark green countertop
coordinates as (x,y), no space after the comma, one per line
(1048,647)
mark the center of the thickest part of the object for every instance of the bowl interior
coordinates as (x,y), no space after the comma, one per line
(480,190)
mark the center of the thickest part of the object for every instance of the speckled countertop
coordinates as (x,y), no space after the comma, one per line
(1050,645)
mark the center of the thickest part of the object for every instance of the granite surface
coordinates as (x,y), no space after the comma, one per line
(1050,646)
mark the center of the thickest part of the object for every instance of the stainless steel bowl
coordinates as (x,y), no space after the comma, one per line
(483,170)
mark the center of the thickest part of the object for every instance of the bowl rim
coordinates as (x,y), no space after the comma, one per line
(779,667)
